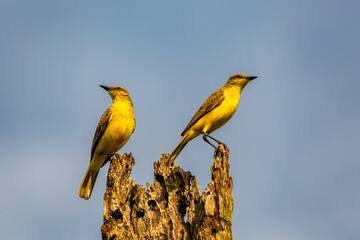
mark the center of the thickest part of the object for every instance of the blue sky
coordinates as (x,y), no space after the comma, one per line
(294,141)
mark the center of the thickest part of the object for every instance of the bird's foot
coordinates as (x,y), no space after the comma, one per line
(170,162)
(224,145)
(111,156)
(218,150)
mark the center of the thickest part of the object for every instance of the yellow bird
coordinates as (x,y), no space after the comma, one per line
(113,131)
(217,109)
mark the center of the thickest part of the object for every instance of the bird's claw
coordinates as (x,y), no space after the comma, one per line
(111,156)
(225,147)
(217,150)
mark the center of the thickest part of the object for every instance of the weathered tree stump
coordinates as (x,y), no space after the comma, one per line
(160,212)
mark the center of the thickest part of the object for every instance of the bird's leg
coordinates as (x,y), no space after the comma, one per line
(218,142)
(216,148)
(206,140)
(208,135)
(109,156)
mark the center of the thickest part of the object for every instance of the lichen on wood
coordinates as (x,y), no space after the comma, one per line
(171,207)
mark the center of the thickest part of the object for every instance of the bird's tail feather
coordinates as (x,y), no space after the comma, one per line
(179,147)
(88,182)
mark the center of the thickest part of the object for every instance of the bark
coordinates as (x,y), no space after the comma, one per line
(171,207)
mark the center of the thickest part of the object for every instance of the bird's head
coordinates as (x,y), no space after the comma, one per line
(240,80)
(117,93)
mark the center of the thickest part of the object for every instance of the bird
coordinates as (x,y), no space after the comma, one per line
(114,129)
(217,110)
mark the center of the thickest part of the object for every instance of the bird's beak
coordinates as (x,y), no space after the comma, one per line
(105,87)
(251,77)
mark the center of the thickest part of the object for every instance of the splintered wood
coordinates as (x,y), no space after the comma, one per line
(171,207)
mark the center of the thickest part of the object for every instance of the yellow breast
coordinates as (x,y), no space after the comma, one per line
(219,115)
(222,114)
(120,128)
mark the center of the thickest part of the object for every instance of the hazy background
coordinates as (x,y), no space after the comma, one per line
(294,141)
